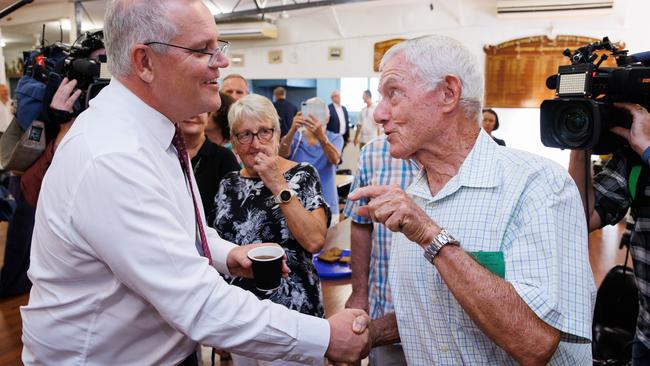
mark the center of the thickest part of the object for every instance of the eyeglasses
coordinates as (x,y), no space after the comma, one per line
(246,137)
(223,49)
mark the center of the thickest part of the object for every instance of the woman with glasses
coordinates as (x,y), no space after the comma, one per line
(272,199)
(309,141)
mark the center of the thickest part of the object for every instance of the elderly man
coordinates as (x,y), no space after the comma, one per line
(235,85)
(123,264)
(489,265)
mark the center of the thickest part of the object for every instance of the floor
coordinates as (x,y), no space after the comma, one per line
(603,249)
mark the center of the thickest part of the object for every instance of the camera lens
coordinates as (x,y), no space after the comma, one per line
(573,125)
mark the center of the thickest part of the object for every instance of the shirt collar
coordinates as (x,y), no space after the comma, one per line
(153,121)
(479,170)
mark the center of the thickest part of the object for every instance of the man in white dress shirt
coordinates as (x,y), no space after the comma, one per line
(118,279)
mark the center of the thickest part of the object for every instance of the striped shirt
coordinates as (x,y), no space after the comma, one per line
(612,201)
(377,167)
(509,201)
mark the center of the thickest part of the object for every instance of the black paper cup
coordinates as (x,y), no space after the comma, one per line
(267,267)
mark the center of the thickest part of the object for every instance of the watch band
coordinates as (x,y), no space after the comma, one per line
(443,238)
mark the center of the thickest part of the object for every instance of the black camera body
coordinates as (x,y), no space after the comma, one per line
(582,114)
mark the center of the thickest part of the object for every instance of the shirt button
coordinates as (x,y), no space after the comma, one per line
(444,348)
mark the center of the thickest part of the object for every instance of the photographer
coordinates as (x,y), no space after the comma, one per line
(609,199)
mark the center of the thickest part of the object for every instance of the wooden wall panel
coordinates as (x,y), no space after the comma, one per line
(516,70)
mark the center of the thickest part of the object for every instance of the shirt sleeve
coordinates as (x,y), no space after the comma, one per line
(611,193)
(142,242)
(361,179)
(546,259)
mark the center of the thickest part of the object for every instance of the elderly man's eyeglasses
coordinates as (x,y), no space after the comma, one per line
(223,49)
(246,137)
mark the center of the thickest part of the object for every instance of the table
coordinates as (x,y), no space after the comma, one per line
(343,180)
(336,292)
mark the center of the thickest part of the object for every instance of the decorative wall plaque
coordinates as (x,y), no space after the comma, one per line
(380,50)
(516,70)
(275,57)
(335,53)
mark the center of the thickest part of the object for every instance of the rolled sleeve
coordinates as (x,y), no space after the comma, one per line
(546,256)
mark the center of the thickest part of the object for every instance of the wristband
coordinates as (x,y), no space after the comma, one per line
(646,155)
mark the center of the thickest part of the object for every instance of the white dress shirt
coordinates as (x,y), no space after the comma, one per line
(116,273)
(369,128)
(343,124)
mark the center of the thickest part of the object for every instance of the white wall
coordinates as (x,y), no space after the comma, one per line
(305,38)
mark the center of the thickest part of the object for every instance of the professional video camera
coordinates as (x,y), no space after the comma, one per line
(44,70)
(88,69)
(582,114)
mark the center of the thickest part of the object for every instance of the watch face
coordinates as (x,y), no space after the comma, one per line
(285,196)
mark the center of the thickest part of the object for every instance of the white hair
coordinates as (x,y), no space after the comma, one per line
(434,57)
(255,107)
(131,22)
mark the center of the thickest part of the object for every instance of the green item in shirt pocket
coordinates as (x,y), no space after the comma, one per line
(492,261)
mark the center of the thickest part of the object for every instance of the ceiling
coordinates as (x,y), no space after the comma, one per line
(19,32)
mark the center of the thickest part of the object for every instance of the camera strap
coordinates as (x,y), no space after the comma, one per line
(637,182)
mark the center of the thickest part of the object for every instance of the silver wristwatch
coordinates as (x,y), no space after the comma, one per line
(442,239)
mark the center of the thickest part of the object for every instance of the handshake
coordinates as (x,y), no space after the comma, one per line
(350,338)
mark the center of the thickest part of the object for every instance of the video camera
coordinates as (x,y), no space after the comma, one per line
(44,69)
(582,114)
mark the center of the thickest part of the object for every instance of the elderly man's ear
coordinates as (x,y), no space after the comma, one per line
(451,89)
(141,63)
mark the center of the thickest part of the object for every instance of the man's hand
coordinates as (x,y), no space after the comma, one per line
(239,264)
(391,206)
(357,301)
(66,96)
(349,336)
(268,166)
(639,133)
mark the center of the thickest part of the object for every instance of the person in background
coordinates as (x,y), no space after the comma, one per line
(235,85)
(491,123)
(272,199)
(210,162)
(339,119)
(367,128)
(371,243)
(490,262)
(286,110)
(308,141)
(5,108)
(217,130)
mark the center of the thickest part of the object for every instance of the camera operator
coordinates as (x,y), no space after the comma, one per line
(13,276)
(609,199)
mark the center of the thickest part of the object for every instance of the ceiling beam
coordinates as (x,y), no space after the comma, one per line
(276,9)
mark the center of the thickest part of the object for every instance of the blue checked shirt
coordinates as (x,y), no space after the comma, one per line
(500,200)
(377,167)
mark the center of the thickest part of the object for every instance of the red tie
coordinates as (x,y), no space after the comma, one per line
(179,144)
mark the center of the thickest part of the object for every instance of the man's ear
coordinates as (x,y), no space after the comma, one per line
(142,63)
(451,88)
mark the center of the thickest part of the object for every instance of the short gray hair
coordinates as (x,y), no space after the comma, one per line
(131,22)
(255,107)
(437,56)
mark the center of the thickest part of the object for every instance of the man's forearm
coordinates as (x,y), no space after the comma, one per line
(584,182)
(384,330)
(496,308)
(361,246)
